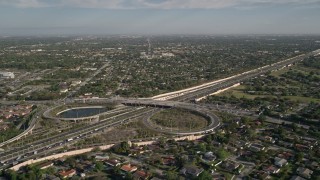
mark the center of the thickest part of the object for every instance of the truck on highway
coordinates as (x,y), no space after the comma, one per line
(70,139)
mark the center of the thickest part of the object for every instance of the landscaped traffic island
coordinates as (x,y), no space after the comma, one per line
(179,120)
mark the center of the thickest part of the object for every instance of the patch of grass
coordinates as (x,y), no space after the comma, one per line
(238,93)
(179,119)
(241,94)
(278,73)
(225,117)
(302,99)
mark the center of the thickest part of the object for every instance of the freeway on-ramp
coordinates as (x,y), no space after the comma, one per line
(179,99)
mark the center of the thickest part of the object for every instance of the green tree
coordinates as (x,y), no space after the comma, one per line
(208,138)
(205,175)
(23,177)
(116,170)
(50,170)
(202,147)
(31,175)
(12,175)
(180,160)
(262,117)
(162,142)
(222,154)
(71,161)
(171,175)
(99,166)
(299,156)
(38,172)
(129,176)
(261,156)
(123,148)
(284,173)
(245,120)
(251,133)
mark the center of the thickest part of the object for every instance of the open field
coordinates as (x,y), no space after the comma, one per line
(179,119)
(242,90)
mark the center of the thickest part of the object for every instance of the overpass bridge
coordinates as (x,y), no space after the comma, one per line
(169,100)
(147,103)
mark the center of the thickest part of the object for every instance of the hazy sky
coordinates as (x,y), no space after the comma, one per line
(41,17)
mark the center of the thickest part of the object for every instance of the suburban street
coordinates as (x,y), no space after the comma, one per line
(48,145)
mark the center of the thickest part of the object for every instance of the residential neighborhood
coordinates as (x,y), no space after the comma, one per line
(215,156)
(160,107)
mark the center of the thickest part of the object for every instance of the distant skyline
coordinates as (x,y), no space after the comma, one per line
(147,17)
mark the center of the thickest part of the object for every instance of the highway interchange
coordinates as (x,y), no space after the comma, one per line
(181,98)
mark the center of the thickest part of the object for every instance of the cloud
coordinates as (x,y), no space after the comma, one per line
(22,3)
(110,4)
(151,4)
(216,4)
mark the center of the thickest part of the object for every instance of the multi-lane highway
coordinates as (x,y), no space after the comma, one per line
(47,145)
(197,92)
(213,119)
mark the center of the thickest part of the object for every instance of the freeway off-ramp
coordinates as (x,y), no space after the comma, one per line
(213,119)
(47,145)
